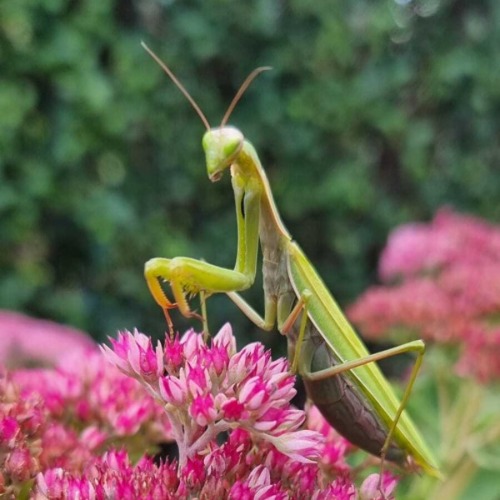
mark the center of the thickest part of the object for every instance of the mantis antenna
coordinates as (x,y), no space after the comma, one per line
(179,85)
(249,79)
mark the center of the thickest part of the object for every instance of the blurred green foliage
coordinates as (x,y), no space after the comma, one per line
(376,113)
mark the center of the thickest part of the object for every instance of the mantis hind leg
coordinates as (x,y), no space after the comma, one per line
(302,352)
(417,346)
(391,449)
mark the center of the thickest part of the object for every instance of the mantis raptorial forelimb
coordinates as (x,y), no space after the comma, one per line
(340,375)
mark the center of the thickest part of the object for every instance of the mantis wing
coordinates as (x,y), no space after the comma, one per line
(340,336)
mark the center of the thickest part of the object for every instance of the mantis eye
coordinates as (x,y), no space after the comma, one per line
(231,147)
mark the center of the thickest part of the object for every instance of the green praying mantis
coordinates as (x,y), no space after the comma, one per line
(340,375)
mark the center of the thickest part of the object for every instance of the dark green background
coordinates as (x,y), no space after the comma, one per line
(376,113)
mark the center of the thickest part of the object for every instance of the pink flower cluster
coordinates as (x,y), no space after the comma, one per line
(443,284)
(212,390)
(65,417)
(209,390)
(236,470)
(84,429)
(109,476)
(86,390)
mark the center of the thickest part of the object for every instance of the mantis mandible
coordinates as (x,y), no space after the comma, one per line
(340,375)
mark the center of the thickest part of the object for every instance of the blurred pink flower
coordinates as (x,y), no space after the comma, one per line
(374,489)
(417,248)
(480,356)
(417,306)
(26,341)
(449,290)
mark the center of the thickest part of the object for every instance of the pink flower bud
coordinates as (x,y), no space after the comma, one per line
(172,390)
(202,409)
(225,340)
(9,428)
(174,354)
(234,410)
(253,393)
(19,464)
(374,489)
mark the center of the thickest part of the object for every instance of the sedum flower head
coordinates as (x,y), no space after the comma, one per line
(209,390)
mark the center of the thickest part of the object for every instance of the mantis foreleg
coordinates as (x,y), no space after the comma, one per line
(191,276)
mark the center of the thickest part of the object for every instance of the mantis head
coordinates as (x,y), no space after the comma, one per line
(221,145)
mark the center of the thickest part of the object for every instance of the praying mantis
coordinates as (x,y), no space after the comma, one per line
(340,375)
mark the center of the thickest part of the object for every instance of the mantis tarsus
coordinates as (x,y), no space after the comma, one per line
(340,375)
